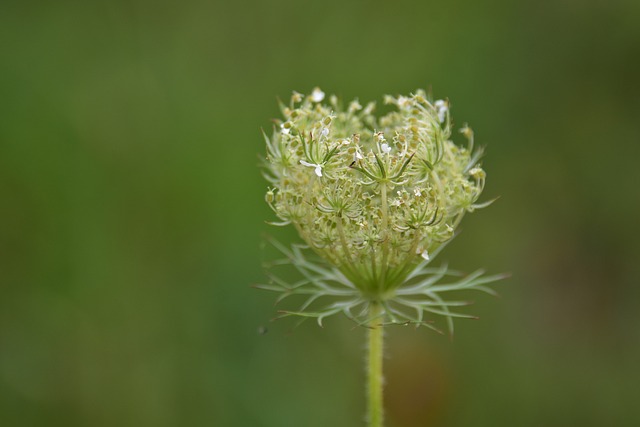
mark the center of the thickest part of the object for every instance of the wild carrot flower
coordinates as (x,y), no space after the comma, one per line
(374,199)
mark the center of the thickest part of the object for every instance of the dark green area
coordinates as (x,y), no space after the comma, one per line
(131,212)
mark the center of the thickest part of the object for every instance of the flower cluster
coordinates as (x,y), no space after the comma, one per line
(375,198)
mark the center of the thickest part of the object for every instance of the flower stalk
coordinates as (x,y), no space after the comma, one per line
(375,378)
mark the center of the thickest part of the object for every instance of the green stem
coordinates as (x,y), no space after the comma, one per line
(345,247)
(385,235)
(375,378)
(407,266)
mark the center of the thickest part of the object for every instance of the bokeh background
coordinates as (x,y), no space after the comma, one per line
(132,213)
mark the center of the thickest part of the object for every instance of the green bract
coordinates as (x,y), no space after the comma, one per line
(375,198)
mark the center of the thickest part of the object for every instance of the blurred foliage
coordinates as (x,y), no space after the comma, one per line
(132,212)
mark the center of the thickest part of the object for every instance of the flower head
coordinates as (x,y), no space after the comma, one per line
(376,210)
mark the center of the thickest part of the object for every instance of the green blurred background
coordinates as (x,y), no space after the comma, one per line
(131,212)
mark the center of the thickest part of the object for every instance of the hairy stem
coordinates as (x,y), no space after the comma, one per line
(374,373)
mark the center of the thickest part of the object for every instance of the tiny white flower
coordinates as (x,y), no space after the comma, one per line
(417,192)
(423,253)
(318,167)
(296,97)
(385,148)
(477,173)
(404,102)
(466,131)
(317,95)
(354,106)
(286,128)
(357,154)
(441,108)
(324,132)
